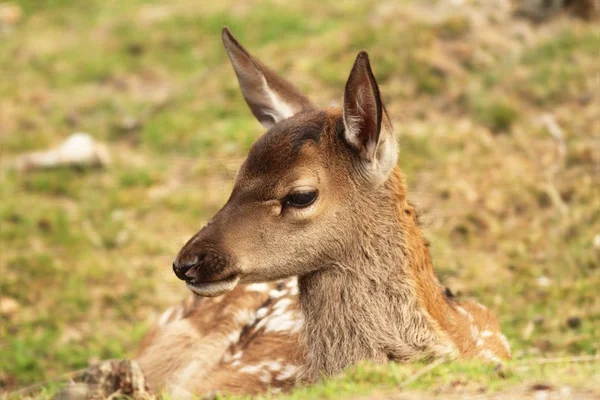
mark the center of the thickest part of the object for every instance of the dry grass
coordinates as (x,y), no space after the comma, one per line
(511,207)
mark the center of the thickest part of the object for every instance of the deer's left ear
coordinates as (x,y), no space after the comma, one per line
(367,127)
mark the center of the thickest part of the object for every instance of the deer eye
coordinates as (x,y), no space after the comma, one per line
(300,199)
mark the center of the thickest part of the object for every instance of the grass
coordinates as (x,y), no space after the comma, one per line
(85,254)
(447,379)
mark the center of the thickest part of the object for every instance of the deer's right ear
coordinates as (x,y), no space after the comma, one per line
(270,97)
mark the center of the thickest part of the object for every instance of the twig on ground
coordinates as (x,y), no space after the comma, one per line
(423,371)
(549,123)
(36,386)
(114,395)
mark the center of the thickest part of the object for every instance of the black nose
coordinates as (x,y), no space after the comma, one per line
(181,268)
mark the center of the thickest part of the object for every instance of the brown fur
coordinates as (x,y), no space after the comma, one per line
(367,289)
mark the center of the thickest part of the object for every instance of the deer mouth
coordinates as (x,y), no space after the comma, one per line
(214,288)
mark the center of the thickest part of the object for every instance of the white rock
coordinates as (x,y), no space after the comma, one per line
(79,149)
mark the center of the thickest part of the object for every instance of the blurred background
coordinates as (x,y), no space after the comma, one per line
(122,127)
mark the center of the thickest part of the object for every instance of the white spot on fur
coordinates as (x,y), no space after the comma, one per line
(275,294)
(257,287)
(265,377)
(251,369)
(279,318)
(274,366)
(234,336)
(292,283)
(264,369)
(462,311)
(282,322)
(504,341)
(283,303)
(261,323)
(289,371)
(227,357)
(245,317)
(260,314)
(489,355)
(474,332)
(486,334)
(448,350)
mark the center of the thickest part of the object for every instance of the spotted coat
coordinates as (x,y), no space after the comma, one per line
(248,341)
(242,343)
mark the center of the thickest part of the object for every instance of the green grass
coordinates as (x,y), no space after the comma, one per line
(498,115)
(380,381)
(86,253)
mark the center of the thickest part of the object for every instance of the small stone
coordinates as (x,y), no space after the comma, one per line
(78,150)
(543,281)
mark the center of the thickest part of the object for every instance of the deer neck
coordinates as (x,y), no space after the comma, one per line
(380,300)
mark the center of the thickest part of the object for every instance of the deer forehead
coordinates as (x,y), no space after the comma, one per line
(288,151)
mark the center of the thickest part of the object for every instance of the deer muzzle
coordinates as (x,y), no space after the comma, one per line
(207,270)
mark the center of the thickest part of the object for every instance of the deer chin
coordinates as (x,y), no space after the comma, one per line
(215,288)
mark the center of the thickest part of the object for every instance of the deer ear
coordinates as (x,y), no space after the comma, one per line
(270,97)
(367,127)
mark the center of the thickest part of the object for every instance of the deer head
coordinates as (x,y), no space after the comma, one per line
(312,184)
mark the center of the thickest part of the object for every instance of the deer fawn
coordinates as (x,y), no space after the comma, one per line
(315,262)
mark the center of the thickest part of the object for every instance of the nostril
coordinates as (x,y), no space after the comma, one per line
(180,268)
